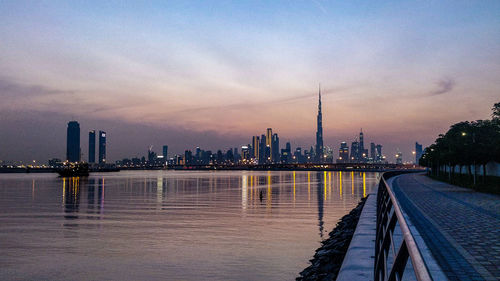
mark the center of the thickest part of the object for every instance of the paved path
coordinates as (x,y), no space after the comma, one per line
(461,227)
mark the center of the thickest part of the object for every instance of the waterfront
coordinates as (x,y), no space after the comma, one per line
(229,225)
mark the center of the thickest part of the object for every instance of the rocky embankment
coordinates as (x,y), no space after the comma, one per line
(328,258)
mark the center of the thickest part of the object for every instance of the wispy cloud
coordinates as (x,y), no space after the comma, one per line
(444,86)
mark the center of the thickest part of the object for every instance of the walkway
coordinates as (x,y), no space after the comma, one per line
(461,227)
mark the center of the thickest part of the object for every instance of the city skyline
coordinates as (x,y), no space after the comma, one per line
(185,73)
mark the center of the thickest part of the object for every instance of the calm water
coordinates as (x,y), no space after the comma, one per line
(170,225)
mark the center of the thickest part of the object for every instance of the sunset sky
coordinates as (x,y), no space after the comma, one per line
(214,73)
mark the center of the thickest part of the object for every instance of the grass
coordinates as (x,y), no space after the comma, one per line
(488,184)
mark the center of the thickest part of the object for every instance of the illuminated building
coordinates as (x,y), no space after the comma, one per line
(354,152)
(102,147)
(399,157)
(362,152)
(319,132)
(73,142)
(92,146)
(343,153)
(269,143)
(379,157)
(255,146)
(373,152)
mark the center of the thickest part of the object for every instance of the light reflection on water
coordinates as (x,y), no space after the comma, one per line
(235,225)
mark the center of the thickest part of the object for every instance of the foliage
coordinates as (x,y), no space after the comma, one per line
(466,143)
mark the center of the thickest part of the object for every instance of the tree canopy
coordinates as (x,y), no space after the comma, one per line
(466,143)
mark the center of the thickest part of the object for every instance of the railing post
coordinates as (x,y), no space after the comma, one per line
(386,223)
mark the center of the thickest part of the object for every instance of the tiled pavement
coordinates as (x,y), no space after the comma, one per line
(461,227)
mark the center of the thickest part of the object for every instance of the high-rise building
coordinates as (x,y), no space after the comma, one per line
(362,152)
(73,142)
(319,132)
(418,152)
(92,146)
(165,152)
(102,147)
(399,157)
(343,153)
(354,152)
(275,146)
(262,149)
(269,143)
(373,152)
(256,146)
(379,158)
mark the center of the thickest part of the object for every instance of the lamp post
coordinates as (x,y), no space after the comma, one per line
(474,157)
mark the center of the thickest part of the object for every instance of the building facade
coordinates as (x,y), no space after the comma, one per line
(73,142)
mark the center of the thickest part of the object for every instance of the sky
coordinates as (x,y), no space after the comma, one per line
(214,73)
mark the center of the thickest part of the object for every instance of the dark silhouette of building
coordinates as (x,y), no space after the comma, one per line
(343,153)
(92,146)
(379,158)
(102,147)
(262,150)
(354,152)
(73,142)
(275,146)
(418,152)
(319,132)
(373,152)
(165,152)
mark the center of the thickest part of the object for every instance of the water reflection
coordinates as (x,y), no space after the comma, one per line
(210,225)
(320,202)
(71,195)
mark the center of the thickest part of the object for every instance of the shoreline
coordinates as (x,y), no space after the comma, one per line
(326,263)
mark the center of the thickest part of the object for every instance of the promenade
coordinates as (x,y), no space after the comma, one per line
(461,227)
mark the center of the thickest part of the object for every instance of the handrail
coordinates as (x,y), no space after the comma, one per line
(388,215)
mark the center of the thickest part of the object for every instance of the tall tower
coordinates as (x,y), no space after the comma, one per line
(92,146)
(269,143)
(362,153)
(73,142)
(319,132)
(102,147)
(256,146)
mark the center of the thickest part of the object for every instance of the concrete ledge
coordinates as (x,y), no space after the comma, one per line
(359,260)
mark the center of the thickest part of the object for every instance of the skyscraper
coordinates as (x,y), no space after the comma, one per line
(418,152)
(379,153)
(319,132)
(73,142)
(102,147)
(262,149)
(165,152)
(92,146)
(275,145)
(354,152)
(255,147)
(343,153)
(373,152)
(269,143)
(363,153)
(399,158)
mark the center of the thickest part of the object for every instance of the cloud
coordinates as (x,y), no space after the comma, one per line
(444,86)
(14,89)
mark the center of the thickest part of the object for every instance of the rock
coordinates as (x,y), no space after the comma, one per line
(329,257)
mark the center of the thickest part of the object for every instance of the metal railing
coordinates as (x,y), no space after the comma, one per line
(391,255)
